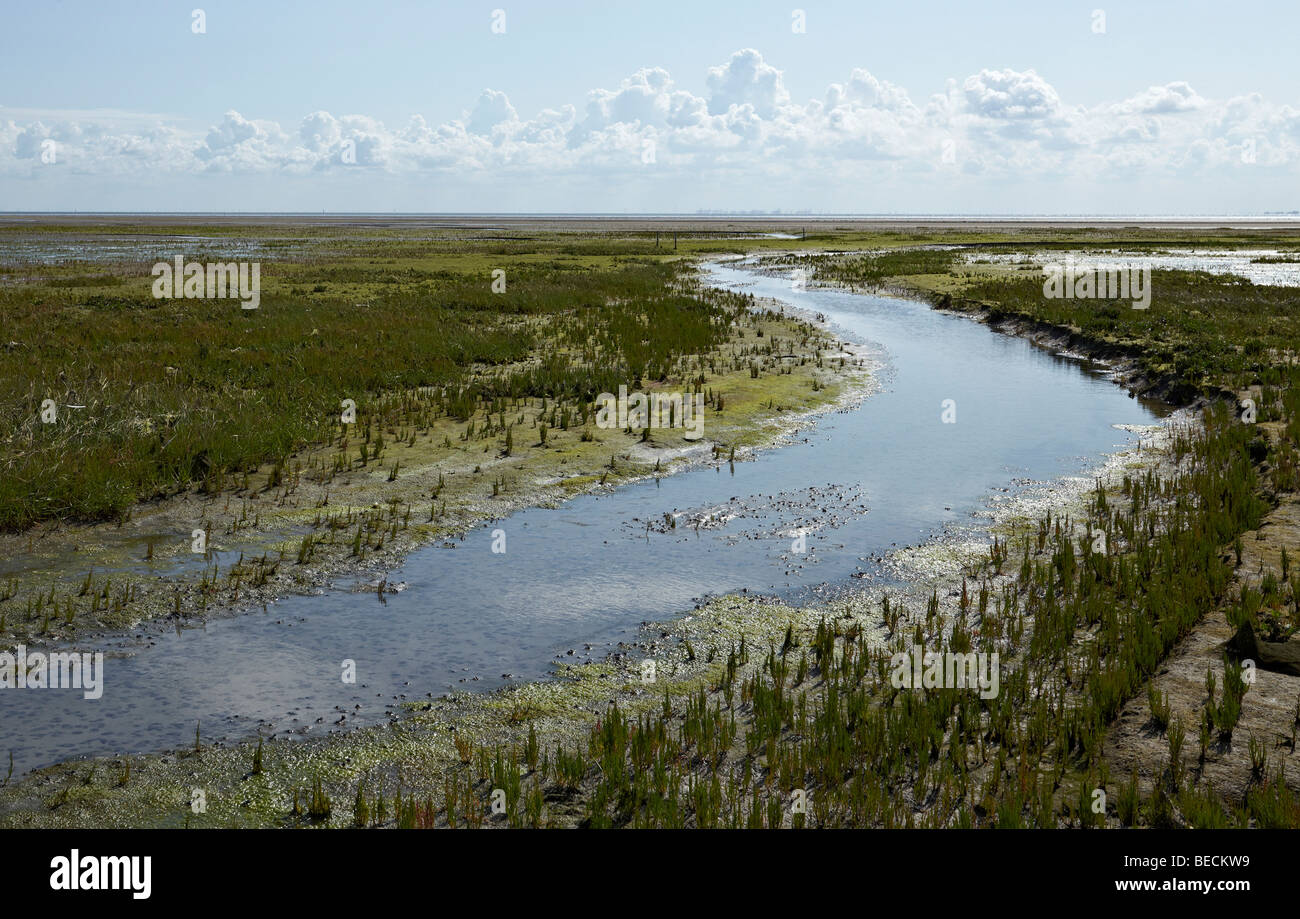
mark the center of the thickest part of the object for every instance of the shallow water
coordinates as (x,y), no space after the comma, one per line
(887,473)
(1241,262)
(56,249)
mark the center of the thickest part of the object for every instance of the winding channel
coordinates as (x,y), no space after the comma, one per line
(584,576)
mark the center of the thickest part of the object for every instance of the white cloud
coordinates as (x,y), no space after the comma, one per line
(1011,94)
(746,79)
(992,124)
(492,109)
(319,131)
(1163,100)
(28,143)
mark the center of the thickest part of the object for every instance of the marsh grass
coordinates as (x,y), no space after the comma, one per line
(158,396)
(1080,633)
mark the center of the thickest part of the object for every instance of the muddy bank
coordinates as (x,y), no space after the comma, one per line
(1124,360)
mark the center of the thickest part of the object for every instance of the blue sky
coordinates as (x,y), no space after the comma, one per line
(942,107)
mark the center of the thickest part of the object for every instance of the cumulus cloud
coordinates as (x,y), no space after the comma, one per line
(319,131)
(491,110)
(644,98)
(28,143)
(746,79)
(1163,100)
(741,121)
(1011,94)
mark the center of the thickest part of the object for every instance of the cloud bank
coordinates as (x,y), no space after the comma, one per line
(994,125)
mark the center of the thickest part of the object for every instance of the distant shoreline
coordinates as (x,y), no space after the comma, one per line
(654,222)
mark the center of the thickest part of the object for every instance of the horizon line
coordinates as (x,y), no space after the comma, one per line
(735,215)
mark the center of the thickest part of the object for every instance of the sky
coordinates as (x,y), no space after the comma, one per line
(907,107)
